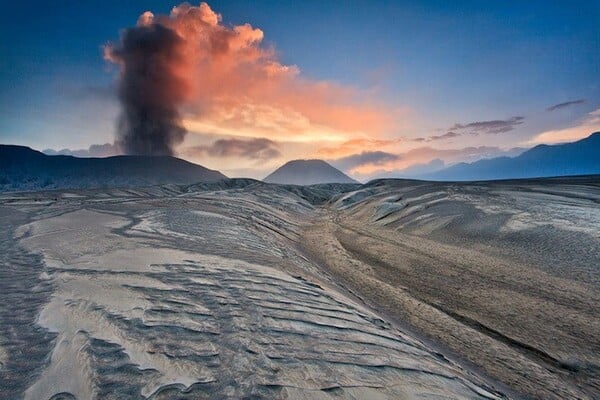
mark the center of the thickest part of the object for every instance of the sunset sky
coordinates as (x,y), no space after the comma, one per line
(374,87)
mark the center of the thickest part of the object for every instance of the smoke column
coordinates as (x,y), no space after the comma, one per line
(150,89)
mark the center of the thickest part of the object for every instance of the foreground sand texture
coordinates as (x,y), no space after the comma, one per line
(506,275)
(393,290)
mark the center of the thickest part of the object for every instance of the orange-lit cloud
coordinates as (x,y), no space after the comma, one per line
(354,146)
(237,86)
(587,126)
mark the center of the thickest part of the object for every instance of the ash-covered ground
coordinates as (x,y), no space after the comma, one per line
(239,289)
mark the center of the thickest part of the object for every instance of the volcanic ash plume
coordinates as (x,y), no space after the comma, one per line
(150,89)
(224,80)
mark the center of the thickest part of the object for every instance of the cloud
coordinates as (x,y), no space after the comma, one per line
(95,150)
(365,166)
(255,149)
(475,128)
(353,146)
(230,83)
(488,127)
(565,104)
(373,158)
(447,135)
(586,126)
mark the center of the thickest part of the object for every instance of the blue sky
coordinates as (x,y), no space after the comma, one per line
(447,63)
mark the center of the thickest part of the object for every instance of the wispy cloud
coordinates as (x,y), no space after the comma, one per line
(565,104)
(254,149)
(492,127)
(447,135)
(488,127)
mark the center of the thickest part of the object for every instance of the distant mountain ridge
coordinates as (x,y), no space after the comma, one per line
(22,168)
(307,172)
(576,158)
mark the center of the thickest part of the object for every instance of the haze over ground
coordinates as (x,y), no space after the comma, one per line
(24,169)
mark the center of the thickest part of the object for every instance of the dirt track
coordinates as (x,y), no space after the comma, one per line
(530,325)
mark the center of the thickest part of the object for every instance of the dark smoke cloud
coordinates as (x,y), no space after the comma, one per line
(150,89)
